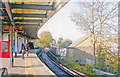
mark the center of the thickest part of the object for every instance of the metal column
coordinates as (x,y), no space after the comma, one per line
(0,31)
(11,44)
(15,44)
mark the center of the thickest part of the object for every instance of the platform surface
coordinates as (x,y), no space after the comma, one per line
(31,65)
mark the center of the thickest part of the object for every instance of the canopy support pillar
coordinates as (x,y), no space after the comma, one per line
(15,44)
(11,45)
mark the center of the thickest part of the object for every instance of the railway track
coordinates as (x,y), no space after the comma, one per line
(59,63)
(57,68)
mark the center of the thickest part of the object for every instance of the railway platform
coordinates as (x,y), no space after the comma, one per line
(30,66)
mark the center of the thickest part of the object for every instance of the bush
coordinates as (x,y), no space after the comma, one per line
(86,69)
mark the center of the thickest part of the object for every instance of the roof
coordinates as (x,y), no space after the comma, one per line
(31,14)
(80,40)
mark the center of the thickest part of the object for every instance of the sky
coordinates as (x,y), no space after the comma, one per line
(60,25)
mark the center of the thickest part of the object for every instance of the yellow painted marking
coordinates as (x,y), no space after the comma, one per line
(29,67)
(26,68)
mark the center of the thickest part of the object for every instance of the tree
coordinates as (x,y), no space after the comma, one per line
(85,20)
(60,40)
(53,41)
(46,39)
(102,14)
(98,18)
(66,43)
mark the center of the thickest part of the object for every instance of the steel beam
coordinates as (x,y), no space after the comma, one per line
(5,20)
(17,24)
(3,14)
(32,6)
(27,20)
(26,24)
(4,24)
(30,15)
(53,4)
(2,6)
(8,9)
(22,20)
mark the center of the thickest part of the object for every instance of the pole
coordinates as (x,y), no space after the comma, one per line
(93,36)
(1,32)
(11,44)
(1,27)
(118,39)
(15,44)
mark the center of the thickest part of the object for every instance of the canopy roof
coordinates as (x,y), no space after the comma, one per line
(31,14)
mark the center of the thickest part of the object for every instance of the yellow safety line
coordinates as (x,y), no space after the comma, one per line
(29,67)
(26,67)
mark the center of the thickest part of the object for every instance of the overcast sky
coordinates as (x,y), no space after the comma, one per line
(60,25)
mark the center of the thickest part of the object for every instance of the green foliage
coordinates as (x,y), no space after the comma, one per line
(46,39)
(105,55)
(53,41)
(70,62)
(101,58)
(60,40)
(86,69)
(66,43)
(37,43)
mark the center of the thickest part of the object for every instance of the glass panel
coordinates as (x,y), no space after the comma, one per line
(4,46)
